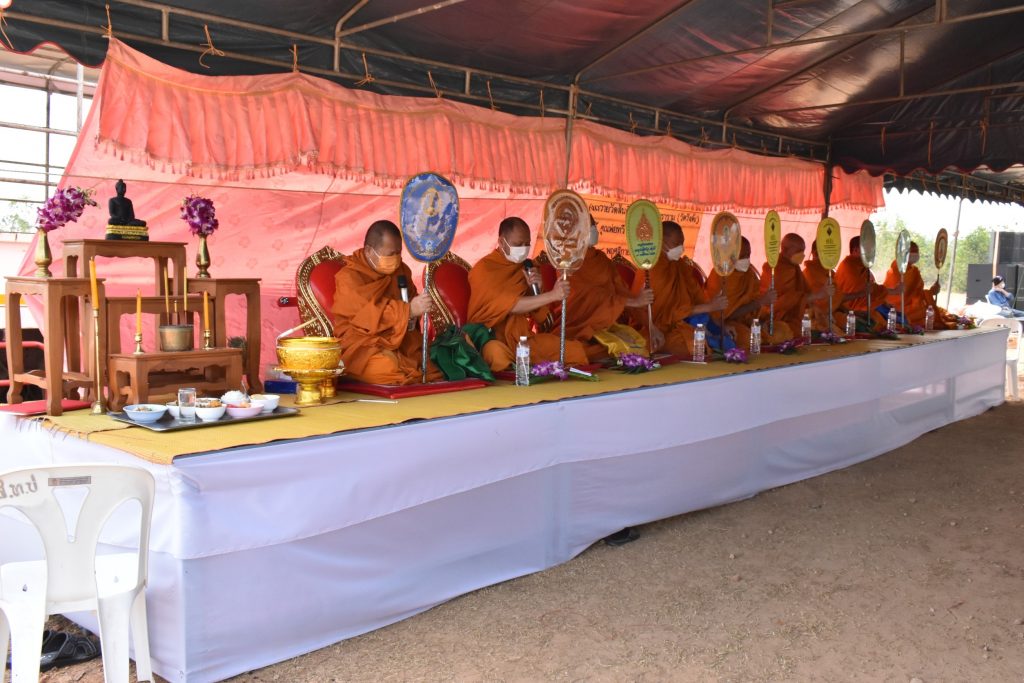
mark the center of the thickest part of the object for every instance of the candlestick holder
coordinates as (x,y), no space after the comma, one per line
(207,344)
(97,406)
(138,343)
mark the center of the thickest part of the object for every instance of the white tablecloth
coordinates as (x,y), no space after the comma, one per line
(263,553)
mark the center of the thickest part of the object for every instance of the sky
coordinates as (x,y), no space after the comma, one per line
(926,213)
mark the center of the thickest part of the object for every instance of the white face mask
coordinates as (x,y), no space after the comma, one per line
(743,265)
(594,235)
(675,253)
(516,254)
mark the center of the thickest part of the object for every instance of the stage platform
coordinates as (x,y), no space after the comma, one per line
(264,552)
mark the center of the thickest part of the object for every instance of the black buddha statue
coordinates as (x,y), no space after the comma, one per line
(121,211)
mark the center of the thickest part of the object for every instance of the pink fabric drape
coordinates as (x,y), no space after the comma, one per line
(231,127)
(619,164)
(244,127)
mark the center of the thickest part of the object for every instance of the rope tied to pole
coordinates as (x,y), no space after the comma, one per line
(367,76)
(210,49)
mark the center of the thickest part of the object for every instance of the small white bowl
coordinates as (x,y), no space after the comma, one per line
(145,413)
(172,408)
(270,401)
(255,408)
(210,414)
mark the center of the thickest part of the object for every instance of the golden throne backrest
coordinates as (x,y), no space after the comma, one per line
(314,282)
(449,291)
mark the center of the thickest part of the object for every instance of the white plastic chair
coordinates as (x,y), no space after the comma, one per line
(1012,351)
(73,578)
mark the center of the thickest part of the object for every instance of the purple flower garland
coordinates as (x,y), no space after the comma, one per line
(200,215)
(65,206)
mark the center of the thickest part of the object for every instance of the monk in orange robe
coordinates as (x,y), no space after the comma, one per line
(677,295)
(793,294)
(917,299)
(379,340)
(817,278)
(598,298)
(500,298)
(742,290)
(852,281)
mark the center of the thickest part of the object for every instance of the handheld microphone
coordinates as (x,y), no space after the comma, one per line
(403,287)
(528,267)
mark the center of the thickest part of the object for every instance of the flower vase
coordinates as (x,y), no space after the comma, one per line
(203,258)
(43,256)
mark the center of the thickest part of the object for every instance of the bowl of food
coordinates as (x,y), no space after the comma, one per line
(245,409)
(145,413)
(270,401)
(210,409)
(172,408)
(308,353)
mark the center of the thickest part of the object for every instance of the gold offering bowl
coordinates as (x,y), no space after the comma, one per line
(312,384)
(308,353)
(176,337)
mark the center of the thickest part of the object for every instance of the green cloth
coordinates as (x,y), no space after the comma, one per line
(456,357)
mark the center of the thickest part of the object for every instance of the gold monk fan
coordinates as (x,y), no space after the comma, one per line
(902,261)
(726,241)
(867,257)
(644,236)
(772,248)
(829,247)
(566,233)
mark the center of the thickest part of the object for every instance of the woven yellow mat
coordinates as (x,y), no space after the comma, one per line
(340,416)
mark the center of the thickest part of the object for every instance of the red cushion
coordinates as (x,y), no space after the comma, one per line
(321,281)
(452,283)
(548,275)
(39,407)
(410,390)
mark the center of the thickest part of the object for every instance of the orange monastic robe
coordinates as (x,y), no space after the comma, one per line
(791,293)
(741,289)
(596,300)
(673,301)
(495,285)
(816,277)
(371,321)
(852,278)
(917,298)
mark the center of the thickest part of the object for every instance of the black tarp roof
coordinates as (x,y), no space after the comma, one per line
(898,86)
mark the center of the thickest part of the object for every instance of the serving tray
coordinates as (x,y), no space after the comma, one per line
(172,424)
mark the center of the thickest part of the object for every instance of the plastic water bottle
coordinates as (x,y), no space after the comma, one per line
(851,324)
(929,318)
(699,342)
(523,363)
(805,327)
(755,337)
(891,322)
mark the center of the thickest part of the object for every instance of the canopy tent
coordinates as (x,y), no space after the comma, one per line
(882,85)
(294,162)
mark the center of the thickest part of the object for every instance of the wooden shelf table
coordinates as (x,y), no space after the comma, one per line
(64,334)
(136,376)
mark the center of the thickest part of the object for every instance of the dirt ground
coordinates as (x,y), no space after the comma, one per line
(909,567)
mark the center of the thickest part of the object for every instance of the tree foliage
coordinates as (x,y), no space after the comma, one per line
(972,248)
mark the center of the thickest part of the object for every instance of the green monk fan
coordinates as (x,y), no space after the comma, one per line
(829,248)
(644,234)
(428,215)
(772,247)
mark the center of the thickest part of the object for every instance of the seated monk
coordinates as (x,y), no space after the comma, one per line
(817,278)
(916,298)
(793,294)
(742,291)
(379,340)
(677,297)
(852,281)
(597,299)
(500,298)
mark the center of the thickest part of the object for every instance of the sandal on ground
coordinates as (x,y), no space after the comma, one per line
(47,634)
(66,649)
